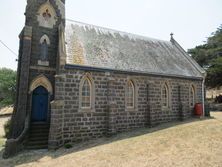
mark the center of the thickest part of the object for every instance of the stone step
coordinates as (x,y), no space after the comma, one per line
(39,130)
(33,136)
(38,138)
(39,125)
(40,142)
(39,133)
(44,146)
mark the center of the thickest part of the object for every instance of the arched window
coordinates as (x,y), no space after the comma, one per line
(44,50)
(192,96)
(44,44)
(130,95)
(86,94)
(165,95)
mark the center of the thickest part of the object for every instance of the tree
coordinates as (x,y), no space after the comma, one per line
(7,86)
(209,56)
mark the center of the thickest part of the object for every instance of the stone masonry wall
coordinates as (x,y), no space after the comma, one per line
(110,114)
(31,20)
(37,32)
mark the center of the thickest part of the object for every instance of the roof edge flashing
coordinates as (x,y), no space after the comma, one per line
(100,69)
(190,59)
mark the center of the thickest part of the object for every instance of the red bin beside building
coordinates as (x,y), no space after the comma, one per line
(198,109)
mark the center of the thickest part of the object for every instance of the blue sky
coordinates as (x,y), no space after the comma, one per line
(190,20)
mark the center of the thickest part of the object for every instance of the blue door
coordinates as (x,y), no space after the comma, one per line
(40,104)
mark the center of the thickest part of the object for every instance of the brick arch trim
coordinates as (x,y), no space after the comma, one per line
(41,80)
(44,37)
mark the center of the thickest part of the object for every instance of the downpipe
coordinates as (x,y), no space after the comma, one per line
(203,96)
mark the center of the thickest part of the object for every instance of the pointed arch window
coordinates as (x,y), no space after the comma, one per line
(44,45)
(165,95)
(44,50)
(86,94)
(192,96)
(130,95)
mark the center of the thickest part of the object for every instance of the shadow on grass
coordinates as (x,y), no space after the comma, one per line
(29,156)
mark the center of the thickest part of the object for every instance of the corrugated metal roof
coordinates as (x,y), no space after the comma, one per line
(100,47)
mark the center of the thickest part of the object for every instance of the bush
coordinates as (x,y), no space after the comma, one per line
(68,146)
(218,99)
(7,128)
(7,86)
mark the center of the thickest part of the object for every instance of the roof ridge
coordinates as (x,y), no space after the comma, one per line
(136,36)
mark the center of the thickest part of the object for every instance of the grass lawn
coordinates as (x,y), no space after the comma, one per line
(184,144)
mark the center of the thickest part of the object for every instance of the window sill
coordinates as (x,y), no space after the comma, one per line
(86,110)
(131,109)
(43,63)
(166,109)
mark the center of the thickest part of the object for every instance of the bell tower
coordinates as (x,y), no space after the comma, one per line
(37,63)
(44,16)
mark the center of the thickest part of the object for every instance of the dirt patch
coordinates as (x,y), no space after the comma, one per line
(6,111)
(192,143)
(3,120)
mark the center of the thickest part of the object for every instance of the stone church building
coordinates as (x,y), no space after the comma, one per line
(77,81)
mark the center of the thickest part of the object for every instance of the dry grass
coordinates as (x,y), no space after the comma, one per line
(193,143)
(3,120)
(6,110)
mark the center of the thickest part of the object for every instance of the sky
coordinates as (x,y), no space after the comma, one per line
(191,21)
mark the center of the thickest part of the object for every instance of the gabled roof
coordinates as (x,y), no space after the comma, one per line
(99,47)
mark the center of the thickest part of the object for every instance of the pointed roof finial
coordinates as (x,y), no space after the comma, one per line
(171,38)
(171,34)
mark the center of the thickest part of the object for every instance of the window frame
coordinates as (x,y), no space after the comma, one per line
(89,79)
(166,87)
(44,51)
(90,95)
(193,98)
(132,85)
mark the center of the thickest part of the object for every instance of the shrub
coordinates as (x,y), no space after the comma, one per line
(218,99)
(68,146)
(7,86)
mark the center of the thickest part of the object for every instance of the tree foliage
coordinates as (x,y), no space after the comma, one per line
(7,86)
(209,56)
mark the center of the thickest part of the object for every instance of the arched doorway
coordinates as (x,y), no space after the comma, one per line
(40,101)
